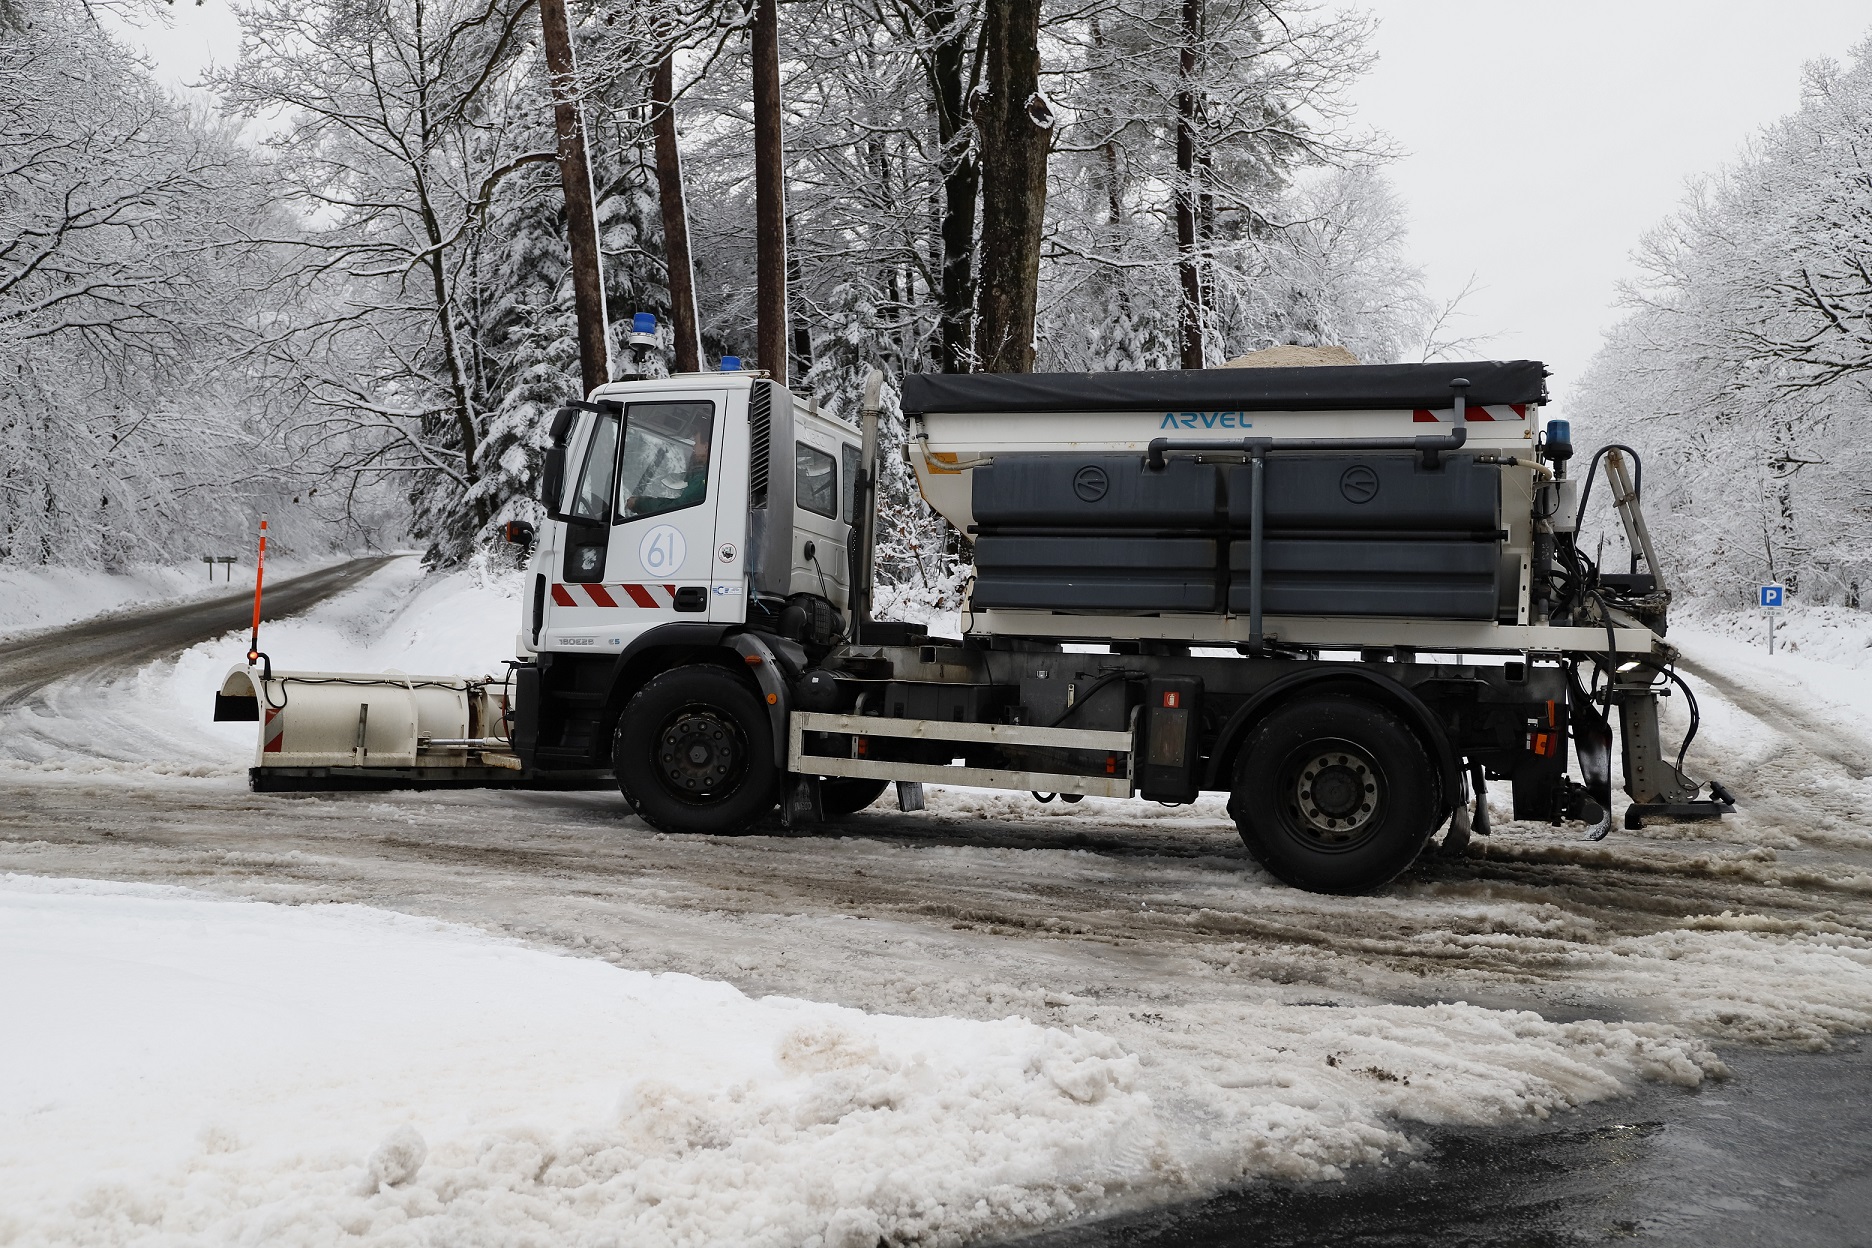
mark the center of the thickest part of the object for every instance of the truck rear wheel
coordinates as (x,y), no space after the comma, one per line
(1334,795)
(694,753)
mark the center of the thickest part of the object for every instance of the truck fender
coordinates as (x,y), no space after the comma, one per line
(759,657)
(636,662)
(1356,680)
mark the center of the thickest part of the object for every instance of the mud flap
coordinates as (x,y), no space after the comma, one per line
(802,805)
(1592,746)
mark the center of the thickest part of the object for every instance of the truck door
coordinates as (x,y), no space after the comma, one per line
(818,527)
(639,549)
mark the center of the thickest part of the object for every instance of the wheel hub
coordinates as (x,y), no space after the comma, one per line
(1336,793)
(699,754)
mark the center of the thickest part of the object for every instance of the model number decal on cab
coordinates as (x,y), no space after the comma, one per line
(1206,420)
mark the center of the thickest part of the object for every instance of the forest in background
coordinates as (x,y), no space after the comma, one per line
(341,292)
(1742,371)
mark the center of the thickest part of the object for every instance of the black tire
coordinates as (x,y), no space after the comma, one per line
(847,795)
(1334,795)
(694,753)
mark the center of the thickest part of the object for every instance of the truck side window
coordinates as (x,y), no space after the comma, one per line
(818,480)
(848,454)
(666,458)
(592,501)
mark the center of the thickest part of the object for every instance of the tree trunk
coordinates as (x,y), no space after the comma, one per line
(1014,124)
(581,213)
(1189,275)
(685,330)
(1108,153)
(802,337)
(770,325)
(950,74)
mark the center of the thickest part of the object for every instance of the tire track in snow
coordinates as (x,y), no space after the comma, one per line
(1829,741)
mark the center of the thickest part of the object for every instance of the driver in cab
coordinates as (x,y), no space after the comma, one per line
(681,488)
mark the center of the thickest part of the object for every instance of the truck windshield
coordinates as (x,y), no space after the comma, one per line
(666,458)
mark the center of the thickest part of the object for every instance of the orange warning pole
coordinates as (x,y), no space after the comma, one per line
(253,643)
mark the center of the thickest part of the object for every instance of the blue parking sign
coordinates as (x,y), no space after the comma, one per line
(1773,595)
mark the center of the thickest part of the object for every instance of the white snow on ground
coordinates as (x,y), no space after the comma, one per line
(33,599)
(184,1069)
(1831,674)
(222,1071)
(1835,636)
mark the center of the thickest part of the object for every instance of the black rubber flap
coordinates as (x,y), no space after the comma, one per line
(1354,387)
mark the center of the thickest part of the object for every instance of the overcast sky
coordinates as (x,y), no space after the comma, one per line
(1540,140)
(1543,140)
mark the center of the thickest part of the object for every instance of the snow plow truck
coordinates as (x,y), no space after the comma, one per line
(1343,596)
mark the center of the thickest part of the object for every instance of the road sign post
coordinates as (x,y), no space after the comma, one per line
(1772,598)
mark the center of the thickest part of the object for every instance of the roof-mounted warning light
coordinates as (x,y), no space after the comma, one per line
(643,330)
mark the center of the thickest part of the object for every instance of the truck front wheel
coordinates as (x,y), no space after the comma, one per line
(1334,795)
(694,753)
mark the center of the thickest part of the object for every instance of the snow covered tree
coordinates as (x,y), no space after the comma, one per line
(130,418)
(395,129)
(1186,124)
(1744,370)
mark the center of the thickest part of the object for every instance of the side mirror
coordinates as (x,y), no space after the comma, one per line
(518,533)
(552,480)
(562,420)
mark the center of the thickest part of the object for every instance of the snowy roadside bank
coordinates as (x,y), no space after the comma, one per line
(187,1068)
(156,721)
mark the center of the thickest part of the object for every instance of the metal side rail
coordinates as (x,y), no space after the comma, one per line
(1117,746)
(349,779)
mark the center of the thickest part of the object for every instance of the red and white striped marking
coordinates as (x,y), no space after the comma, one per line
(1499,411)
(274,740)
(650,597)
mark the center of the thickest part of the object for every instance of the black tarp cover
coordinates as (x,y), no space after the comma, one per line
(1351,387)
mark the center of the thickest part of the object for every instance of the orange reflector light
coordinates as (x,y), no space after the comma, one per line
(1111,764)
(752,660)
(864,745)
(773,699)
(1542,743)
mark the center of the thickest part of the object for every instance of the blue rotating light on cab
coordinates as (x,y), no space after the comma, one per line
(643,330)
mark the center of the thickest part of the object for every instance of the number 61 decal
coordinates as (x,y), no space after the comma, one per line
(661,551)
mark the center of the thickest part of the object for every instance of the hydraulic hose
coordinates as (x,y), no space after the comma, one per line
(1592,468)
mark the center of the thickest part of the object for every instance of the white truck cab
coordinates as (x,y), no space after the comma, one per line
(662,492)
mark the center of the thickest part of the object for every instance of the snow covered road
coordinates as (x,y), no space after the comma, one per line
(1273,1033)
(62,688)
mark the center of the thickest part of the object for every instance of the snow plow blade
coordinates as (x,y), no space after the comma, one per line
(379,730)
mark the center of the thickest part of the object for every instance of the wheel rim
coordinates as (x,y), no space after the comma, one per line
(701,755)
(1333,794)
